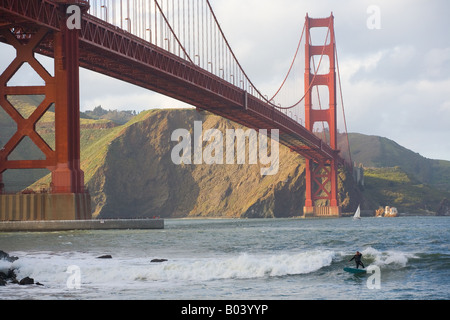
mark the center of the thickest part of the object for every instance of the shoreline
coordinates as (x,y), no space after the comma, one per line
(94,224)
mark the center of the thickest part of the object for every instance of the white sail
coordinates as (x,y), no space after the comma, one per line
(357,214)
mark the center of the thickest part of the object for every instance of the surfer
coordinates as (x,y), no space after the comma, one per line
(357,258)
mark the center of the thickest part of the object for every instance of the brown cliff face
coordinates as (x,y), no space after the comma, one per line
(139,179)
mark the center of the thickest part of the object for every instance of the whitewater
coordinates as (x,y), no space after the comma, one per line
(220,259)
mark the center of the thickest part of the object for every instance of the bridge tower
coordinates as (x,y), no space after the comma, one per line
(321,176)
(66,199)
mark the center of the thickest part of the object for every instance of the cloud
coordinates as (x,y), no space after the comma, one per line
(110,93)
(437,62)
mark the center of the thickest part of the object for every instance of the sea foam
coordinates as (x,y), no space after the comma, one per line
(387,258)
(52,269)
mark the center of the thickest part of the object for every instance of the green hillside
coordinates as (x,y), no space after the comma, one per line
(394,187)
(379,152)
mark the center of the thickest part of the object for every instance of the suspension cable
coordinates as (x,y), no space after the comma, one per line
(315,75)
(171,30)
(232,52)
(292,64)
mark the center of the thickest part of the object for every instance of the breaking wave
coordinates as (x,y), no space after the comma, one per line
(53,269)
(244,266)
(390,258)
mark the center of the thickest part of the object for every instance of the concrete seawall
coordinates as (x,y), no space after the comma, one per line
(60,212)
(95,224)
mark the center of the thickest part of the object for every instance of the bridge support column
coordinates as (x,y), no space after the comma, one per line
(321,190)
(321,175)
(68,199)
(67,177)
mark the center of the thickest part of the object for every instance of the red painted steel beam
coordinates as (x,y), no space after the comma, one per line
(38,12)
(25,127)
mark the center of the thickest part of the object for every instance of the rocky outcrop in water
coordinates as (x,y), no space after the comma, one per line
(158,260)
(9,276)
(7,257)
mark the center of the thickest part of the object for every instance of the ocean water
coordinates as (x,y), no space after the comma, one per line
(262,259)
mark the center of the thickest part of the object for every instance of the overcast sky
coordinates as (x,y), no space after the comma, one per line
(395,66)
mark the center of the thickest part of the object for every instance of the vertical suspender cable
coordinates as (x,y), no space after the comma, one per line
(156,25)
(342,101)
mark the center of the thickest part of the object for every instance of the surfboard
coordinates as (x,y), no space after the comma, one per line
(354,270)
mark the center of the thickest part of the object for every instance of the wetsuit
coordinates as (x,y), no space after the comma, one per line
(358,262)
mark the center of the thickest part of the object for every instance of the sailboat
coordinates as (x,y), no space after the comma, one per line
(357,214)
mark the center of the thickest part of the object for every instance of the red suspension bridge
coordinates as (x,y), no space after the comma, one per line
(176,48)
